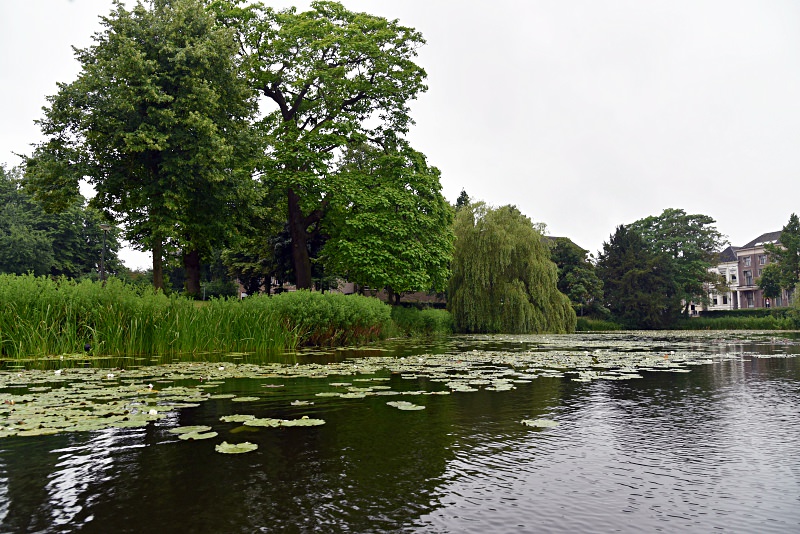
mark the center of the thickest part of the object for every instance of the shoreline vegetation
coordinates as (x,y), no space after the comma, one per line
(41,317)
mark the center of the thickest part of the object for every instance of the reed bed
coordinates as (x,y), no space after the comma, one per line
(42,317)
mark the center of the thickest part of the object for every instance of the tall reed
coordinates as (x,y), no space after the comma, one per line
(40,316)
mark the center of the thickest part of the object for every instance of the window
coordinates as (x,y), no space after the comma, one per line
(714,301)
(760,271)
(733,278)
(762,259)
(750,303)
(748,278)
(747,261)
(778,301)
(724,299)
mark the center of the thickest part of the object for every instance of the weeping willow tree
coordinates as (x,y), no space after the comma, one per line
(502,277)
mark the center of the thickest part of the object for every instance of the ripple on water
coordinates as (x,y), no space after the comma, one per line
(626,458)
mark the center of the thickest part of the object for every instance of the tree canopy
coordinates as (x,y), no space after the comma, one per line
(66,243)
(784,271)
(333,79)
(691,242)
(158,122)
(577,278)
(502,277)
(639,286)
(389,226)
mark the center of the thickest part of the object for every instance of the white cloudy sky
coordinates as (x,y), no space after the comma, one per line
(586,114)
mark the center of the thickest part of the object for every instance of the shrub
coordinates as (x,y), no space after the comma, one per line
(596,325)
(422,322)
(329,319)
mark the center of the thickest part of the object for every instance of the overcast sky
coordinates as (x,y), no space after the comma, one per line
(584,114)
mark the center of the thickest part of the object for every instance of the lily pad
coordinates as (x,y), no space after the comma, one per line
(189,429)
(539,423)
(197,435)
(245,399)
(405,405)
(235,448)
(236,418)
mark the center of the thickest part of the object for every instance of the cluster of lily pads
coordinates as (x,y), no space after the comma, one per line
(38,402)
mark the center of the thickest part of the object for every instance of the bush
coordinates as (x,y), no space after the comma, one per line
(596,325)
(411,321)
(329,319)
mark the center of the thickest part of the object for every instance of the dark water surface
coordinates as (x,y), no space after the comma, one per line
(713,449)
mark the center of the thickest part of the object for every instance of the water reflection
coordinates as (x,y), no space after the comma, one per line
(713,448)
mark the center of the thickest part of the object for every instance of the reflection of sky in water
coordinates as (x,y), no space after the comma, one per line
(4,500)
(81,467)
(716,453)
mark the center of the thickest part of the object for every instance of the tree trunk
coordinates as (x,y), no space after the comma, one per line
(158,263)
(297,231)
(191,262)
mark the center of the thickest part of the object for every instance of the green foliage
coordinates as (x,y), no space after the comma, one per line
(691,243)
(328,318)
(784,271)
(158,122)
(462,200)
(389,225)
(768,322)
(41,317)
(333,78)
(412,321)
(587,324)
(64,243)
(503,279)
(577,278)
(771,280)
(639,285)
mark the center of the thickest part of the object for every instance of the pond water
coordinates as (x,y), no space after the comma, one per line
(654,432)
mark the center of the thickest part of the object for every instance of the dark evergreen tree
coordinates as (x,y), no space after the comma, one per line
(577,278)
(639,285)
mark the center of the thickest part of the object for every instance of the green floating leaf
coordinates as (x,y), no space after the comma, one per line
(263,422)
(189,429)
(405,405)
(235,448)
(245,399)
(236,418)
(198,435)
(305,421)
(539,423)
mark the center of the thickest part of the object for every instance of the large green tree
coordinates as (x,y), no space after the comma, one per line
(691,242)
(784,269)
(502,277)
(639,285)
(577,278)
(64,243)
(330,78)
(389,225)
(158,122)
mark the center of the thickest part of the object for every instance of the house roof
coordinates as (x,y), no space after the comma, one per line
(769,237)
(728,255)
